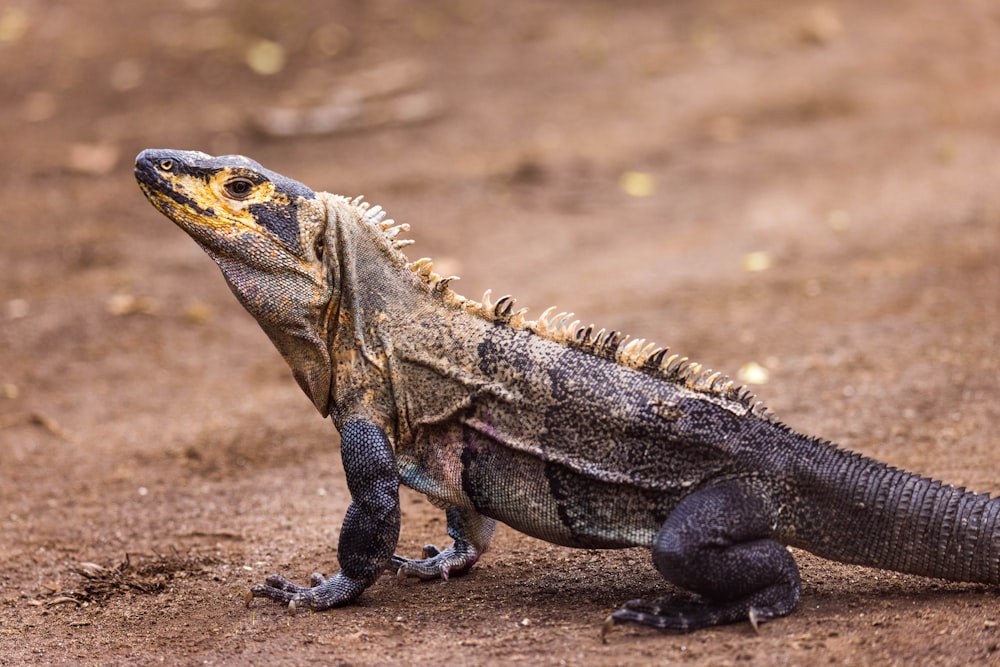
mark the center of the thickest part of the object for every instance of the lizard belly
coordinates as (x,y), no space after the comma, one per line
(551,502)
(464,463)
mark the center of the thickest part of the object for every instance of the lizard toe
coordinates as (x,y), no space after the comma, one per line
(280,583)
(324,593)
(439,565)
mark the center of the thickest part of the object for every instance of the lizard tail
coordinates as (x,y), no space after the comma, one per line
(858,510)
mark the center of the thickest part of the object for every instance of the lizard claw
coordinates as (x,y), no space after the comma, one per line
(606,627)
(754,619)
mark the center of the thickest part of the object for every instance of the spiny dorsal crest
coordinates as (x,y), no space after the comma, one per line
(388,228)
(635,353)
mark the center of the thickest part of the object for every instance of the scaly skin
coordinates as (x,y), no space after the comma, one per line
(579,437)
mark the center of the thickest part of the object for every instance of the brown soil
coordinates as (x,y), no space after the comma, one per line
(630,161)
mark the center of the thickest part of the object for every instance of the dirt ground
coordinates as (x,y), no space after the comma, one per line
(811,188)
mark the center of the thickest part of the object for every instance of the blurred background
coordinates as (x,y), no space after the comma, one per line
(801,194)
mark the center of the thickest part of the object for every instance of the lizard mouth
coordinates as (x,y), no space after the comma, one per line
(167,199)
(145,169)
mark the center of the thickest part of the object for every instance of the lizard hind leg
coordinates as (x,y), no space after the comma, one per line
(717,543)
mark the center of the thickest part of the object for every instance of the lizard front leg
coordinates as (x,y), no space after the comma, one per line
(370,530)
(472,533)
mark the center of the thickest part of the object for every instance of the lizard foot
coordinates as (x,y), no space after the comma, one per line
(687,614)
(436,564)
(321,594)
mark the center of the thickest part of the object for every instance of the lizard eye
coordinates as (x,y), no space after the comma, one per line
(166,165)
(239,188)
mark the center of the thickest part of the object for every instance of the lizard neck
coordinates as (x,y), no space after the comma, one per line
(372,287)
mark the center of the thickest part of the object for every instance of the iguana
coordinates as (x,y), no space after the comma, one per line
(578,436)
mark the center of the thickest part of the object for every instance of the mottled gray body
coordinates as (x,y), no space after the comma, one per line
(566,434)
(597,466)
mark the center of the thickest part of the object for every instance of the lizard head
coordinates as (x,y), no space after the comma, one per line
(266,233)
